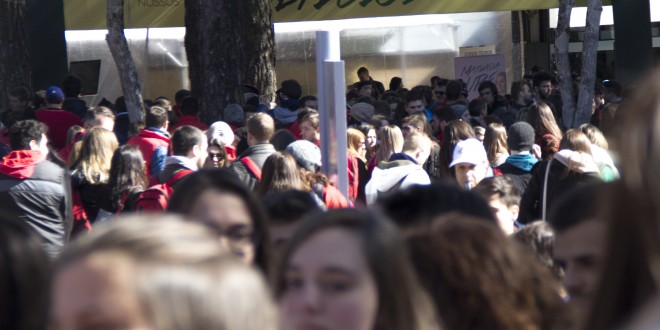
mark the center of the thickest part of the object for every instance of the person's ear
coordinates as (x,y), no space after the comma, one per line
(196,150)
(34,145)
(515,210)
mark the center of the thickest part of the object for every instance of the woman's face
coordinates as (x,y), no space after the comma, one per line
(371,138)
(229,216)
(215,159)
(308,132)
(96,293)
(329,290)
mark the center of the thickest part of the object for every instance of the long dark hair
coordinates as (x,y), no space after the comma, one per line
(280,173)
(192,186)
(127,173)
(455,131)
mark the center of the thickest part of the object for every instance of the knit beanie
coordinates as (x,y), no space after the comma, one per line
(306,154)
(362,112)
(520,136)
(233,114)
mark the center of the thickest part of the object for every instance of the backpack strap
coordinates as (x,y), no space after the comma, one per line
(256,171)
(545,189)
(177,176)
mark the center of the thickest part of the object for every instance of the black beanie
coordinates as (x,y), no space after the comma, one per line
(520,136)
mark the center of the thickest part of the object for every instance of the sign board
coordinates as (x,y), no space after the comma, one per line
(91,14)
(475,69)
(477,50)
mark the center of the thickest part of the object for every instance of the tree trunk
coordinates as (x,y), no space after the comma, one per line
(15,67)
(563,62)
(228,44)
(128,77)
(589,59)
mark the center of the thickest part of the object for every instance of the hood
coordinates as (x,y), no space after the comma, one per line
(151,133)
(20,163)
(522,161)
(285,115)
(577,161)
(388,174)
(183,161)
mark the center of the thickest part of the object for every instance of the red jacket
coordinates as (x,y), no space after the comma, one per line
(58,122)
(189,120)
(149,141)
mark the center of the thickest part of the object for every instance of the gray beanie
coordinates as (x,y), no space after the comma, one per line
(362,112)
(306,154)
(520,136)
(233,114)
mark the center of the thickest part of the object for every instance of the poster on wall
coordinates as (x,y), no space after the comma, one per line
(475,69)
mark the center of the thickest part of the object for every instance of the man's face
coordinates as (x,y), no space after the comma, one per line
(527,95)
(579,250)
(312,104)
(599,100)
(414,106)
(439,92)
(423,155)
(505,215)
(545,89)
(364,76)
(308,132)
(366,90)
(486,94)
(15,104)
(469,175)
(408,128)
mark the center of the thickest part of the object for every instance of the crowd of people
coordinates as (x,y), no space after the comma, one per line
(460,214)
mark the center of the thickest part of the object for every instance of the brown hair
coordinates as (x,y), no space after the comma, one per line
(575,140)
(261,126)
(471,268)
(495,141)
(540,116)
(455,131)
(312,116)
(280,173)
(96,152)
(391,142)
(595,135)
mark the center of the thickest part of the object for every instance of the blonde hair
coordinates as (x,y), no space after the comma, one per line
(540,116)
(595,135)
(72,132)
(495,141)
(576,140)
(182,275)
(355,140)
(391,142)
(96,152)
(415,141)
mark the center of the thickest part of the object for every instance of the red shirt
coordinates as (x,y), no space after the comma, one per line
(58,122)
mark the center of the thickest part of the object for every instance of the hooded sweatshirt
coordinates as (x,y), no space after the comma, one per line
(393,175)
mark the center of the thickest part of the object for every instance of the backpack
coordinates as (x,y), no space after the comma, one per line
(252,167)
(156,197)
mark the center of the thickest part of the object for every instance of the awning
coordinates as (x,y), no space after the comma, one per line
(91,14)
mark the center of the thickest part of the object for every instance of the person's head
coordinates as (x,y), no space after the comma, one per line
(440,90)
(470,162)
(190,142)
(418,146)
(221,131)
(234,114)
(310,102)
(441,117)
(520,137)
(189,106)
(580,236)
(594,135)
(309,126)
(495,141)
(215,197)
(28,135)
(413,123)
(282,138)
(24,277)
(279,173)
(539,237)
(306,154)
(362,112)
(127,171)
(391,141)
(500,82)
(137,273)
(521,92)
(543,83)
(414,102)
(290,89)
(454,90)
(540,116)
(471,268)
(157,117)
(71,85)
(363,74)
(365,283)
(98,146)
(371,137)
(54,96)
(100,117)
(487,91)
(163,102)
(503,199)
(74,134)
(478,108)
(260,129)
(217,154)
(285,211)
(396,83)
(356,141)
(180,95)
(365,88)
(18,99)
(575,140)
(614,90)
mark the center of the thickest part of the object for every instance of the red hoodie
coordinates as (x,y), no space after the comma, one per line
(20,163)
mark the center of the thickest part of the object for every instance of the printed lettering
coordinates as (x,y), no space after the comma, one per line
(282,4)
(321,3)
(344,5)
(385,3)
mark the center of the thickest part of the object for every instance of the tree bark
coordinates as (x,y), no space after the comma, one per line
(128,77)
(589,59)
(228,44)
(563,62)
(15,69)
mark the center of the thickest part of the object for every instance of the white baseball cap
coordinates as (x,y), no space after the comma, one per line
(469,151)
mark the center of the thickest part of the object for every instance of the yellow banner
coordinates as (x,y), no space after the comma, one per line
(91,14)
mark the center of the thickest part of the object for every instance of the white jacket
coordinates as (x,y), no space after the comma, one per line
(394,175)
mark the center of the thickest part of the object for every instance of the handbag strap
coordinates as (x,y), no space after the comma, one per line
(545,189)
